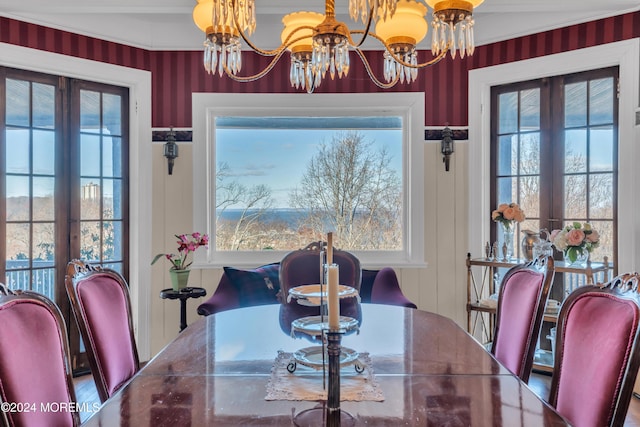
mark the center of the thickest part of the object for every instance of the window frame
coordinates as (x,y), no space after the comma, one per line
(625,55)
(408,105)
(552,130)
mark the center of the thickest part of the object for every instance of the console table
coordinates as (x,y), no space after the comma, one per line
(482,278)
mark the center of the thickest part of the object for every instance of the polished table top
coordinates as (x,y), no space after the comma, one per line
(430,370)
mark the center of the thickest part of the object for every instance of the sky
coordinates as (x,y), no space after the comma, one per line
(44,157)
(278,157)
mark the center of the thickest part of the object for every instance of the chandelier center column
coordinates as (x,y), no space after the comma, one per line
(330,8)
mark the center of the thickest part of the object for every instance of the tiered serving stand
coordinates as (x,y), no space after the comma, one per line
(317,326)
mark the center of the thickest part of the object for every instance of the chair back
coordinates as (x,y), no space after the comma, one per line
(102,308)
(34,362)
(386,289)
(521,304)
(597,359)
(302,267)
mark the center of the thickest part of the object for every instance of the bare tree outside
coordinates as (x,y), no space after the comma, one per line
(351,189)
(599,190)
(246,231)
(599,201)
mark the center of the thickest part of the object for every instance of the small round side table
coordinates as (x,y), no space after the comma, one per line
(183,295)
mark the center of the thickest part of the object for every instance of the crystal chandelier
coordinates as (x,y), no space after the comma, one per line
(451,17)
(319,43)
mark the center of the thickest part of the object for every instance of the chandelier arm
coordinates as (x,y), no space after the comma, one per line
(275,51)
(255,48)
(434,61)
(246,38)
(401,61)
(364,32)
(372,76)
(246,79)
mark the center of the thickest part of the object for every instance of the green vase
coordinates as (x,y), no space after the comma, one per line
(179,278)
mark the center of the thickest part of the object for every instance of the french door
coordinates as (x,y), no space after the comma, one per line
(554,151)
(64,188)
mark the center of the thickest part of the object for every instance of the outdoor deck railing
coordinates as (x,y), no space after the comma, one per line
(40,279)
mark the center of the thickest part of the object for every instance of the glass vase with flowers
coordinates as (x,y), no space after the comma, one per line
(576,241)
(507,215)
(179,271)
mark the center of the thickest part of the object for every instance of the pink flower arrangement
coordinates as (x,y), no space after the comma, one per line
(507,214)
(187,243)
(574,239)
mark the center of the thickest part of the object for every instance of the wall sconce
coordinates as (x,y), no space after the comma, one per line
(446,146)
(171,149)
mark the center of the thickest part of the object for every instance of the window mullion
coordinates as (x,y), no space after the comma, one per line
(554,158)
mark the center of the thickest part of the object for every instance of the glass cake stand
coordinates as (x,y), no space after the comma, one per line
(315,325)
(316,357)
(317,294)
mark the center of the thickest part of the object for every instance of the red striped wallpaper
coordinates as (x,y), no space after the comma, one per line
(177,74)
(37,37)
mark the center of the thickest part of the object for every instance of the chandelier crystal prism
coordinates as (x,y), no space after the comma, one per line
(451,17)
(319,44)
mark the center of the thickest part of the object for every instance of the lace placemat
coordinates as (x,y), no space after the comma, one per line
(306,383)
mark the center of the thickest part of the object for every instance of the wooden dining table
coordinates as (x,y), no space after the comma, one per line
(429,370)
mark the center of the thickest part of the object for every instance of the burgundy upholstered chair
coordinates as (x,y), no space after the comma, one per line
(302,267)
(34,361)
(521,304)
(386,289)
(102,308)
(597,358)
(377,286)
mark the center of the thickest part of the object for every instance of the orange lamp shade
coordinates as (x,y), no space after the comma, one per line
(296,20)
(408,23)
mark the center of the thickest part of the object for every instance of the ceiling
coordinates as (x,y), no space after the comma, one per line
(167,24)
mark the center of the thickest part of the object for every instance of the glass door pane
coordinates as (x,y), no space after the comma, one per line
(590,158)
(517,158)
(101,179)
(30,186)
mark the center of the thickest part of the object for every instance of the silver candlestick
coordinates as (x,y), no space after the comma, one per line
(330,415)
(333,393)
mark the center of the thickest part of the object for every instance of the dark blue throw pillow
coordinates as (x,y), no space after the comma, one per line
(256,287)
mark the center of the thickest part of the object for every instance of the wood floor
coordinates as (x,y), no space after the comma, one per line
(86,392)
